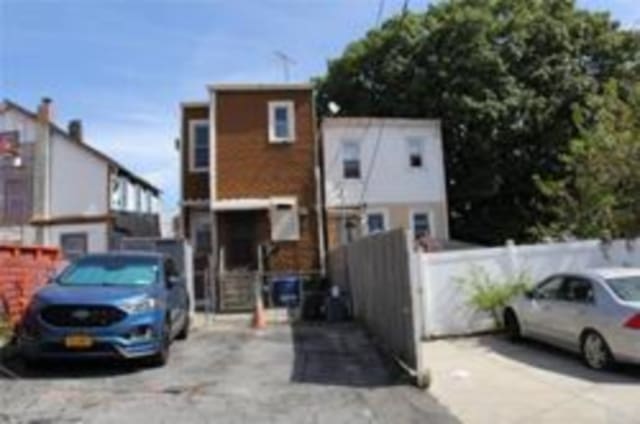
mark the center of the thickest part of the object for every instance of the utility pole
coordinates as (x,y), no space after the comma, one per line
(286,61)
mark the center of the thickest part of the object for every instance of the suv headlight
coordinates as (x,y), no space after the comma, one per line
(140,305)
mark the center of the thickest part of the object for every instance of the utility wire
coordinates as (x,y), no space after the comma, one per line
(372,164)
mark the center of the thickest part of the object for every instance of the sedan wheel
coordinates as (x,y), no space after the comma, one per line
(595,351)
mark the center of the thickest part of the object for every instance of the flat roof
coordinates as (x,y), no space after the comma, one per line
(260,87)
(357,121)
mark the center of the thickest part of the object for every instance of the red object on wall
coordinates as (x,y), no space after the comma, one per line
(23,270)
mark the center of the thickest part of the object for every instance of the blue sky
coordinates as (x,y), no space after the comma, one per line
(124,66)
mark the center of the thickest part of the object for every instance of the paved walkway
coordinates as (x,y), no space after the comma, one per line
(227,373)
(491,380)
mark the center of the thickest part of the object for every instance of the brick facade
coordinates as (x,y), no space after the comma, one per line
(248,166)
(195,185)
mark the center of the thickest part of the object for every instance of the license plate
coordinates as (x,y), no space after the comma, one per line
(78,342)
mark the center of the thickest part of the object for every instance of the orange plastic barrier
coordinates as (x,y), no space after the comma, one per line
(23,270)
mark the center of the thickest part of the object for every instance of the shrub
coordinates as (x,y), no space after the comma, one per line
(489,295)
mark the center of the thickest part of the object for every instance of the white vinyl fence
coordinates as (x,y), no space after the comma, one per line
(446,309)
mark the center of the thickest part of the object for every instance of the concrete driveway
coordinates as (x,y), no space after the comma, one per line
(229,374)
(492,380)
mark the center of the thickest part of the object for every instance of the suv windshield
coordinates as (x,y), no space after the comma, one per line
(626,288)
(111,271)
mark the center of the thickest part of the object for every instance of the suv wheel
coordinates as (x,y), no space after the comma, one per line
(595,351)
(184,332)
(162,357)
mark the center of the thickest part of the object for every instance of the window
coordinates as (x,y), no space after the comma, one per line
(351,159)
(73,245)
(199,141)
(285,224)
(281,122)
(376,222)
(550,289)
(111,270)
(626,288)
(15,201)
(415,146)
(578,290)
(420,224)
(203,237)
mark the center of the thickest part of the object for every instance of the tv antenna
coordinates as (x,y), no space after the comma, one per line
(286,62)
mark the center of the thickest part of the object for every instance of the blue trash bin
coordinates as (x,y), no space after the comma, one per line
(286,291)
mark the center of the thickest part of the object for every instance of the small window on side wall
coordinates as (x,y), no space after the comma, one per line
(199,141)
(415,147)
(281,122)
(351,159)
(73,245)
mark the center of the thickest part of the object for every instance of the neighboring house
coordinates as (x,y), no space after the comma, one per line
(55,189)
(250,181)
(381,174)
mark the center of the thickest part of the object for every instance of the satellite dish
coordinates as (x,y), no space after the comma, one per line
(334,108)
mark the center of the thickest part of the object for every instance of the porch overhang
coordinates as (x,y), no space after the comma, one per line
(245,204)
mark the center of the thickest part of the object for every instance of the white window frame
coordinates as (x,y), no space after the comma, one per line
(290,107)
(423,148)
(192,145)
(429,214)
(377,211)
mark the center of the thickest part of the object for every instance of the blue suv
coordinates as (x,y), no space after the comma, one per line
(120,305)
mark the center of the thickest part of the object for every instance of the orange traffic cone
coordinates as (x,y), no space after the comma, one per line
(259,316)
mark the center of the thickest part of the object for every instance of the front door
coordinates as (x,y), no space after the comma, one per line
(241,244)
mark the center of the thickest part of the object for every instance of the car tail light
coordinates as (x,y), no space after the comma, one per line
(633,322)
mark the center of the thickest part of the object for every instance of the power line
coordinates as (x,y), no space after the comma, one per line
(372,163)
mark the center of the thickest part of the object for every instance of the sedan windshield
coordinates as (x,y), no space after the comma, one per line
(626,288)
(111,271)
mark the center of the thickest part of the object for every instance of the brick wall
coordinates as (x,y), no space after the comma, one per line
(249,166)
(195,186)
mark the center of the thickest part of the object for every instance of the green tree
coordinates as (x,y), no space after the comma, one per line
(600,194)
(504,77)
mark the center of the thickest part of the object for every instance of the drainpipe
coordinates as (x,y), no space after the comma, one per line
(320,215)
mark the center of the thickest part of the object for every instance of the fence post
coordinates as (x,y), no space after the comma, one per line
(512,257)
(420,311)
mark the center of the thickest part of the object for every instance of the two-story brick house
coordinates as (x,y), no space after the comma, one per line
(250,181)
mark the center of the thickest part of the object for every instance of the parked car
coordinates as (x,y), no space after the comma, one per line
(120,305)
(595,313)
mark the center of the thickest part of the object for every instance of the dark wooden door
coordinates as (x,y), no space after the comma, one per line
(241,240)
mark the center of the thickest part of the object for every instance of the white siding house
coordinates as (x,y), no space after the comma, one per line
(383,173)
(67,193)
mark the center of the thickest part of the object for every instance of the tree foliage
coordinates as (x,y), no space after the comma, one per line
(600,195)
(504,77)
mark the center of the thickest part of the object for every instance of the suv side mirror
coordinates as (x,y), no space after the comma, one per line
(173,281)
(530,294)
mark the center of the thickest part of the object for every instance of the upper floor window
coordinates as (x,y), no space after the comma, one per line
(351,159)
(281,122)
(199,141)
(415,147)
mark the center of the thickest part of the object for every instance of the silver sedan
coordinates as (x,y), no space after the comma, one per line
(595,313)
